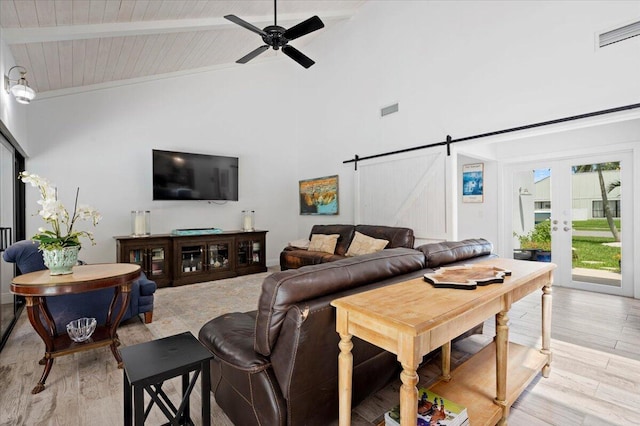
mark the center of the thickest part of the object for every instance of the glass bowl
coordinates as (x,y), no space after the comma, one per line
(81,329)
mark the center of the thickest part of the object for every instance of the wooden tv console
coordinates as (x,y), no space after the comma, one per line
(173,260)
(413,318)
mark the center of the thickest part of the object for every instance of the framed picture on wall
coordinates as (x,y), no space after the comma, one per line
(319,196)
(473,183)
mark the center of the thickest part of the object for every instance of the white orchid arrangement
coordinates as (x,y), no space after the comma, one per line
(55,214)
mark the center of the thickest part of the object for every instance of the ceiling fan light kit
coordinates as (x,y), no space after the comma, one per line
(278,37)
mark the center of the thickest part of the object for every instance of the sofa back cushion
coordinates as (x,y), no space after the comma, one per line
(345,233)
(281,290)
(397,237)
(444,253)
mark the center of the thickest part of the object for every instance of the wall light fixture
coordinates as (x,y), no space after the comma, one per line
(19,87)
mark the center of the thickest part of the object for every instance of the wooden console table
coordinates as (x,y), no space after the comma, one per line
(36,286)
(412,318)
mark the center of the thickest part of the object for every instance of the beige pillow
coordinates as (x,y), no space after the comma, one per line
(363,244)
(302,243)
(324,243)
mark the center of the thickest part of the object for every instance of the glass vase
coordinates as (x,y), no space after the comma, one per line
(61,261)
(140,223)
(248,217)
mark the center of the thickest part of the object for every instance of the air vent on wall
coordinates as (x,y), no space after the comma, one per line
(389,110)
(619,34)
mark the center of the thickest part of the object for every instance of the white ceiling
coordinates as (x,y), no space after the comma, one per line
(72,45)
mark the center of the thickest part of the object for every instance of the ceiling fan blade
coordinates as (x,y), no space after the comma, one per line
(305,27)
(245,24)
(297,56)
(246,58)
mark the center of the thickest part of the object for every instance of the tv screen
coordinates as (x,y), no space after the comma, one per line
(189,176)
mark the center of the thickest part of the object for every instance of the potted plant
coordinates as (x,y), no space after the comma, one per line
(61,243)
(536,245)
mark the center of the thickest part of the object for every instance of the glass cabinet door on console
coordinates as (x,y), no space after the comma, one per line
(250,252)
(192,257)
(151,254)
(151,260)
(203,258)
(218,255)
(189,256)
(158,261)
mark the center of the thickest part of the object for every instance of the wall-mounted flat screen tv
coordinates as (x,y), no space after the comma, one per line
(190,176)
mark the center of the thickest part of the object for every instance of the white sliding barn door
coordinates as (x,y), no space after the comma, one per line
(408,192)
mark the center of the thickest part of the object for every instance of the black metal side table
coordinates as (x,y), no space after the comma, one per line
(146,367)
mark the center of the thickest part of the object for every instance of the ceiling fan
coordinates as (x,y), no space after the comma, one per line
(278,37)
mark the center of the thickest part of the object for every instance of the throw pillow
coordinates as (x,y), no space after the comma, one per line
(324,243)
(364,244)
(302,243)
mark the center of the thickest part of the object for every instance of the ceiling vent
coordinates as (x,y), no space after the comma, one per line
(619,34)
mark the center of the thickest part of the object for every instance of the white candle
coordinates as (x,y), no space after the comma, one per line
(139,227)
(247,220)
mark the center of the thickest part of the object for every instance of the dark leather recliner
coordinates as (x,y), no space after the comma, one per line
(278,365)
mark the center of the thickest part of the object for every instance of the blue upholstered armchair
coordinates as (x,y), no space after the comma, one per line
(28,258)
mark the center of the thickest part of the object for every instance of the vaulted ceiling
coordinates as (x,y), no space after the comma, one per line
(71,45)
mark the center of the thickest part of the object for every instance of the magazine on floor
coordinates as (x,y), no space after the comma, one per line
(433,410)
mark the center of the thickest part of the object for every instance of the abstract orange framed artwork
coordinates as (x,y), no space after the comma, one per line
(319,196)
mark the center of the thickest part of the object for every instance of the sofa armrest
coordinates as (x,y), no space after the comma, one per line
(294,259)
(147,287)
(230,338)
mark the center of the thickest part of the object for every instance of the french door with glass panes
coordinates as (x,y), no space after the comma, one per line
(577,214)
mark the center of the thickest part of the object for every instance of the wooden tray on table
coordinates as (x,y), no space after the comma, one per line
(466,277)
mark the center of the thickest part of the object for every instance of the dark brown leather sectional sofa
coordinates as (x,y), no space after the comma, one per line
(295,257)
(278,365)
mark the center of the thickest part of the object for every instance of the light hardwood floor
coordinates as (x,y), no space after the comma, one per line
(595,375)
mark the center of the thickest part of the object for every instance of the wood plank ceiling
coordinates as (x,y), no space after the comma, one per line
(67,45)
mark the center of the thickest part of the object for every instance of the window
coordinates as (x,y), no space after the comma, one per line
(597,209)
(543,205)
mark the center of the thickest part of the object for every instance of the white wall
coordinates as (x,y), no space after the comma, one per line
(457,68)
(12,114)
(101,141)
(463,68)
